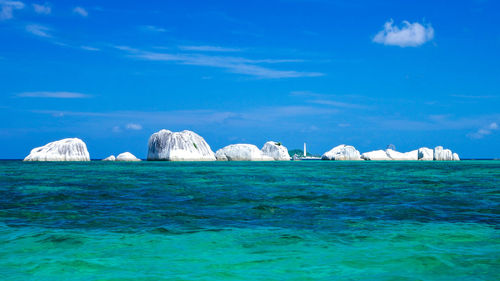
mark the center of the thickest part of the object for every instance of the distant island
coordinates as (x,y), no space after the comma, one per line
(300,153)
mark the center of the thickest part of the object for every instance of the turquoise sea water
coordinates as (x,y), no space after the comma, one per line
(317,220)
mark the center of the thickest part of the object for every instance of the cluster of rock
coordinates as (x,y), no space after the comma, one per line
(189,146)
(271,151)
(165,146)
(347,152)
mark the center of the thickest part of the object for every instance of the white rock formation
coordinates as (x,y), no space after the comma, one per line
(422,153)
(127,156)
(109,158)
(390,154)
(241,152)
(441,154)
(63,150)
(276,150)
(375,155)
(425,154)
(179,146)
(342,152)
(411,155)
(395,155)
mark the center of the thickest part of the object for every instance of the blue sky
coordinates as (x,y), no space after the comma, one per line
(365,73)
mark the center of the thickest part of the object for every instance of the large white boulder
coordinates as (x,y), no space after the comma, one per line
(276,150)
(425,154)
(375,155)
(455,157)
(179,146)
(109,158)
(127,157)
(241,152)
(342,152)
(71,149)
(441,154)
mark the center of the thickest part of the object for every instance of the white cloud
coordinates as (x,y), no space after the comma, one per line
(81,11)
(134,126)
(232,64)
(152,28)
(38,30)
(409,35)
(126,49)
(58,95)
(116,129)
(337,103)
(208,49)
(89,48)
(481,133)
(329,100)
(7,8)
(43,9)
(473,97)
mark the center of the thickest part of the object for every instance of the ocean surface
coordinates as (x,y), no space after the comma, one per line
(303,220)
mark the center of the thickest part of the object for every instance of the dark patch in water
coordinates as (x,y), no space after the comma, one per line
(62,239)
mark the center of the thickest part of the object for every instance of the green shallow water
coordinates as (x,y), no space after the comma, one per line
(250,221)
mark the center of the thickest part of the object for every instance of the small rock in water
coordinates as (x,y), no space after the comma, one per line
(109,158)
(127,157)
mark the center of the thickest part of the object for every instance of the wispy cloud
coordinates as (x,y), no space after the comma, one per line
(39,30)
(80,11)
(329,100)
(440,122)
(133,126)
(126,48)
(89,48)
(152,28)
(208,49)
(474,97)
(118,129)
(232,64)
(338,104)
(409,35)
(43,9)
(486,130)
(258,117)
(58,95)
(7,8)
